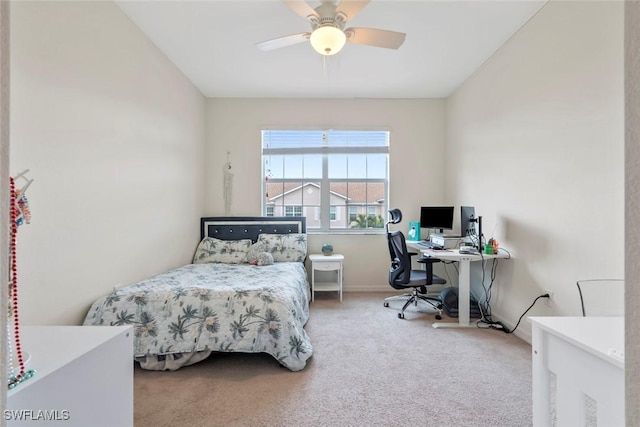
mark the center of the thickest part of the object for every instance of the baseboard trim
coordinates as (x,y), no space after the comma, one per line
(433,289)
(523,334)
(370,289)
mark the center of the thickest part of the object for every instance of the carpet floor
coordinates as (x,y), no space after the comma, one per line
(369,368)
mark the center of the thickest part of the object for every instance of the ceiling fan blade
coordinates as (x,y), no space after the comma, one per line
(351,8)
(285,41)
(302,8)
(375,37)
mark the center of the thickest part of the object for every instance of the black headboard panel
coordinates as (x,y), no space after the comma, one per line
(249,227)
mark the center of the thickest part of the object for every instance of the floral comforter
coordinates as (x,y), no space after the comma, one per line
(215,307)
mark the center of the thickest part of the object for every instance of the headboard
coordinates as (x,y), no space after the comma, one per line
(249,227)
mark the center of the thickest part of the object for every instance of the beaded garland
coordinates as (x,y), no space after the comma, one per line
(13,326)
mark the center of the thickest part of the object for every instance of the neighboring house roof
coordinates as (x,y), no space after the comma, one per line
(294,187)
(354,192)
(283,189)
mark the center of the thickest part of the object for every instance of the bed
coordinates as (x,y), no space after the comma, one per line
(246,291)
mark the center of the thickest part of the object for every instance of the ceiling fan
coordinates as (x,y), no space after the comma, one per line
(328,35)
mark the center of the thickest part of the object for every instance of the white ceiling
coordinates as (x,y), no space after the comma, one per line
(213,43)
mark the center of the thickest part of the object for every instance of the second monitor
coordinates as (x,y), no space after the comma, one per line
(468,229)
(467,221)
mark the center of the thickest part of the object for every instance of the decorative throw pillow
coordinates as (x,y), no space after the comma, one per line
(254,251)
(264,258)
(222,251)
(285,247)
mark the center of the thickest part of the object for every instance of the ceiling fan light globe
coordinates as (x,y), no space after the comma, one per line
(328,40)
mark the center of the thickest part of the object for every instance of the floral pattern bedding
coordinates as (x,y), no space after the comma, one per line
(215,307)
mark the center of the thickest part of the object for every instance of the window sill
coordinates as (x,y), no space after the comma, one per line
(362,232)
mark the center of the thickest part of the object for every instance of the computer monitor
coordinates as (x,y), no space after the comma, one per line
(467,226)
(468,221)
(439,217)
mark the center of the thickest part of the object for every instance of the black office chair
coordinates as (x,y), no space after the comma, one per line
(403,276)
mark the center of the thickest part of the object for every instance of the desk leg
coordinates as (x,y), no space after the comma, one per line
(464,294)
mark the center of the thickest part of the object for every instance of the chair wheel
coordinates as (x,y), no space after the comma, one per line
(386,304)
(400,315)
(438,317)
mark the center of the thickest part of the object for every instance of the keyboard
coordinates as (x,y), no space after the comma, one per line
(429,245)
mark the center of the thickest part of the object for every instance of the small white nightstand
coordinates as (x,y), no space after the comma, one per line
(322,262)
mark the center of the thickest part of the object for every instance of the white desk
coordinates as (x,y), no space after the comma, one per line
(464,279)
(587,356)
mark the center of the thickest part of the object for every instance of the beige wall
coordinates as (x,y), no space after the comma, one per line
(535,141)
(113,135)
(416,163)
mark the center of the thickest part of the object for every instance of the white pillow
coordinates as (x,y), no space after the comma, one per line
(285,247)
(222,251)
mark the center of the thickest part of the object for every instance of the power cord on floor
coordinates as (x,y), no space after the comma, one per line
(500,326)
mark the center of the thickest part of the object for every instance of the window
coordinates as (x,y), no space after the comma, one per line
(338,180)
(353,213)
(292,211)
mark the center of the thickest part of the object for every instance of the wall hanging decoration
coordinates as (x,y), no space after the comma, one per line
(20,214)
(227,185)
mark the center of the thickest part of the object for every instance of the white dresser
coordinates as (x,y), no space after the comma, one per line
(586,355)
(84,377)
